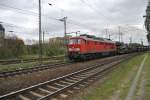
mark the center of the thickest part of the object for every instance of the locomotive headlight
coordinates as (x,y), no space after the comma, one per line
(74,49)
(77,49)
(70,49)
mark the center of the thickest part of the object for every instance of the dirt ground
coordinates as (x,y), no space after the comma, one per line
(22,81)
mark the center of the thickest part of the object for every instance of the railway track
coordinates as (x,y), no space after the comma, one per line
(62,87)
(16,61)
(6,74)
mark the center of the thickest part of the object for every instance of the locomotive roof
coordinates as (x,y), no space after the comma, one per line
(94,38)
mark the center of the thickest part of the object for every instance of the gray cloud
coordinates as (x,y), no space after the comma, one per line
(84,15)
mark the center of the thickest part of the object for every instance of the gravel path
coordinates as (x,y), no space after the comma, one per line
(141,88)
(132,89)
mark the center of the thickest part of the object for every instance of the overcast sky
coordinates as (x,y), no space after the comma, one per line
(86,16)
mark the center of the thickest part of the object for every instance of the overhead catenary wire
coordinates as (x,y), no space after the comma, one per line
(51,18)
(36,14)
(69,21)
(22,11)
(93,9)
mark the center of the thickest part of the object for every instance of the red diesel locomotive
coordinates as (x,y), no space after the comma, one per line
(89,47)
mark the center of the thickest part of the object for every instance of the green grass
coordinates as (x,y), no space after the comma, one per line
(118,82)
(143,86)
(29,56)
(147,78)
(23,65)
(12,67)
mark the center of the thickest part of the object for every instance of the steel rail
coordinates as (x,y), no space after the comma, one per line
(6,74)
(71,86)
(15,61)
(78,73)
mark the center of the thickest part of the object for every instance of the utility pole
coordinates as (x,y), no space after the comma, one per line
(43,37)
(65,33)
(141,41)
(77,32)
(106,30)
(131,39)
(109,36)
(64,20)
(119,34)
(43,42)
(40,34)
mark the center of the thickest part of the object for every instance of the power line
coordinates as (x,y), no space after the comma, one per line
(22,11)
(13,25)
(36,14)
(96,11)
(80,25)
(33,13)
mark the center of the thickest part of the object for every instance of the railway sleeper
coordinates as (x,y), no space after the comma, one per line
(45,91)
(81,85)
(70,80)
(76,88)
(59,85)
(54,99)
(38,95)
(22,97)
(64,96)
(83,75)
(70,91)
(79,77)
(65,82)
(52,88)
(76,79)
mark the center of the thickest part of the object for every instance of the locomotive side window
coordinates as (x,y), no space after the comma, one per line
(74,41)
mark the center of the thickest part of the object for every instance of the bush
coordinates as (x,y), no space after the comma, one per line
(12,48)
(55,51)
(6,53)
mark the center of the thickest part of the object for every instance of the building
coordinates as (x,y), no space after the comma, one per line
(2,35)
(58,41)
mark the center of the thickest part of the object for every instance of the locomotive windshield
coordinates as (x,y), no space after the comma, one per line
(74,41)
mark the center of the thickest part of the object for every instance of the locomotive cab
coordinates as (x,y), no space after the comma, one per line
(74,47)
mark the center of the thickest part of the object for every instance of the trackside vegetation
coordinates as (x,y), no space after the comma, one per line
(117,84)
(15,48)
(12,67)
(146,84)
